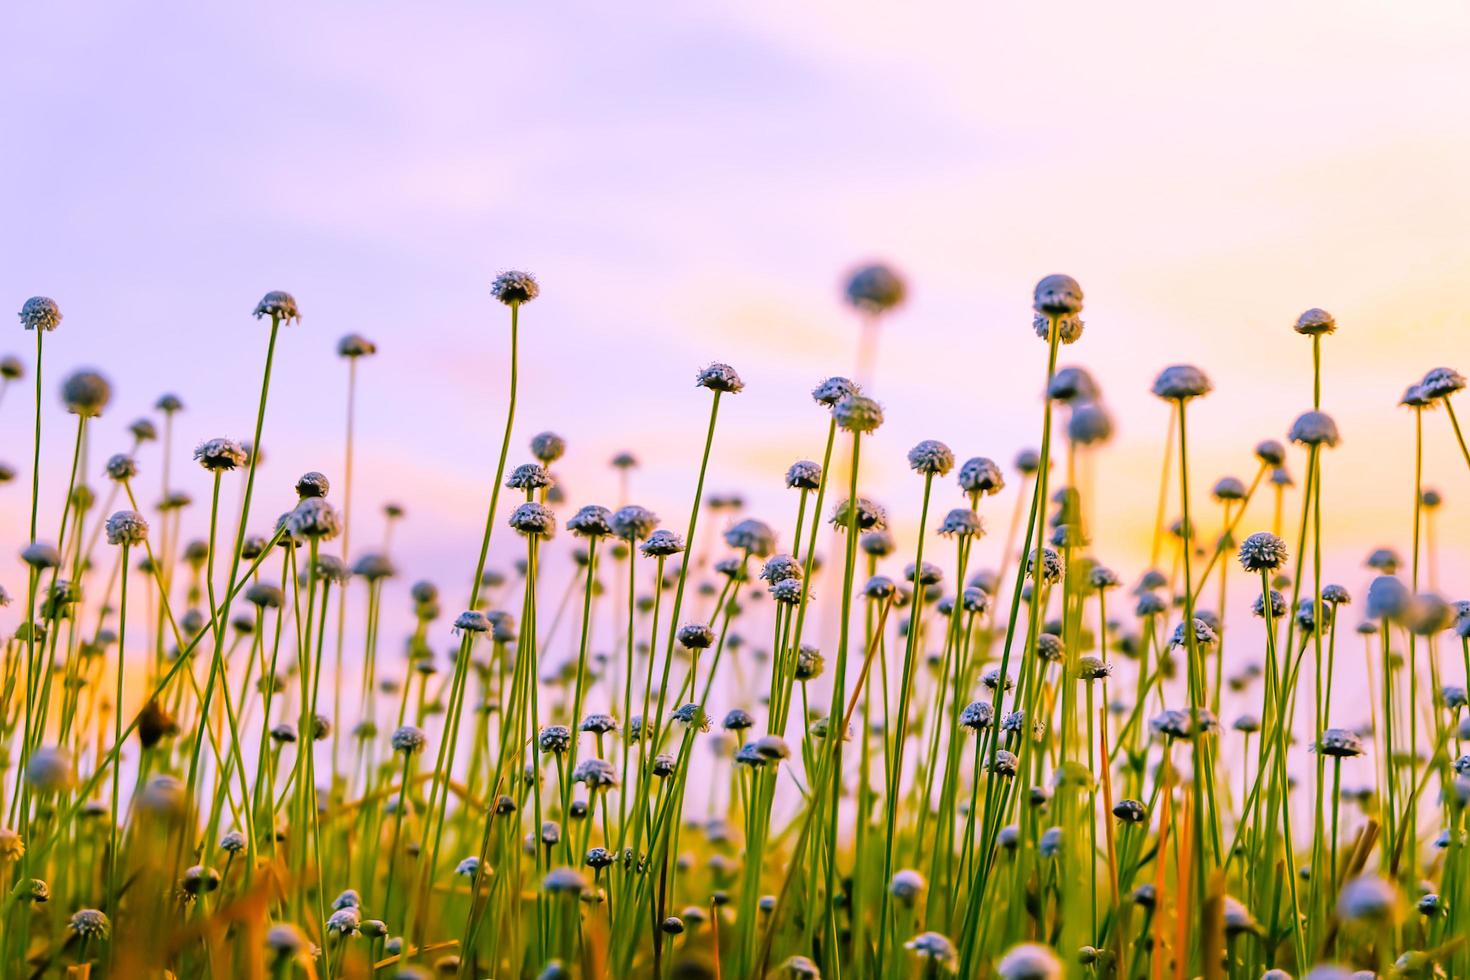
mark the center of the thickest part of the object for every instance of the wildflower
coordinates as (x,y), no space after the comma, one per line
(907,885)
(1368,898)
(1051,565)
(804,474)
(834,390)
(875,288)
(50,770)
(532,519)
(1049,647)
(992,677)
(926,573)
(1090,424)
(564,881)
(1278,605)
(737,720)
(800,968)
(1203,634)
(719,378)
(1072,384)
(1339,743)
(1387,598)
(1130,811)
(12,846)
(529,476)
(591,521)
(408,739)
(633,523)
(858,413)
(313,517)
(1028,461)
(662,765)
(374,567)
(1270,452)
(695,636)
(1050,844)
(86,393)
(1238,918)
(661,544)
(127,527)
(1428,614)
(199,880)
(90,924)
(279,306)
(472,621)
(596,773)
(345,921)
(1314,429)
(1315,322)
(867,515)
(1384,560)
(931,458)
(1150,604)
(1181,382)
(40,313)
(312,484)
(753,536)
(934,948)
(975,600)
(961,522)
(1171,723)
(121,467)
(1441,382)
(976,715)
(693,716)
(356,345)
(1336,594)
(219,455)
(772,747)
(1091,668)
(1005,763)
(809,663)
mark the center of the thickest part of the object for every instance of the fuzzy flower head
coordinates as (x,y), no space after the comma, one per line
(1090,424)
(804,474)
(875,288)
(867,515)
(1441,382)
(313,517)
(1315,323)
(1030,961)
(408,739)
(633,523)
(120,467)
(931,458)
(591,521)
(528,477)
(1051,565)
(127,527)
(753,536)
(662,543)
(1057,295)
(1368,898)
(219,455)
(833,390)
(548,447)
(981,477)
(1314,429)
(935,948)
(961,522)
(1339,743)
(1204,634)
(596,773)
(279,306)
(1181,382)
(1262,552)
(514,288)
(40,313)
(355,345)
(532,518)
(1388,598)
(719,378)
(345,921)
(858,413)
(90,924)
(86,393)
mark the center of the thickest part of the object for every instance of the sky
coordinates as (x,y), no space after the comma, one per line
(691,183)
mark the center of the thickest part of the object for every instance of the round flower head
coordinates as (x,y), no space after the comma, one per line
(1130,811)
(907,885)
(1339,743)
(1204,634)
(1270,452)
(472,621)
(356,345)
(737,720)
(1441,382)
(1368,898)
(1238,918)
(976,715)
(980,476)
(858,413)
(1280,477)
(1314,429)
(555,739)
(800,968)
(50,770)
(633,523)
(931,458)
(879,587)
(548,447)
(934,948)
(662,543)
(1030,961)
(599,723)
(1051,565)
(219,455)
(11,368)
(778,568)
(591,521)
(596,773)
(313,517)
(961,522)
(1262,552)
(1057,295)
(1278,605)
(564,881)
(877,544)
(1091,668)
(1171,723)
(90,924)
(834,390)
(772,747)
(312,484)
(1181,382)
(809,663)
(753,536)
(529,476)
(804,474)
(875,288)
(1005,763)
(345,921)
(1315,322)
(1228,488)
(696,636)
(1072,384)
(867,515)
(127,527)
(1336,594)
(86,393)
(514,288)
(692,715)
(720,378)
(1416,397)
(279,306)
(1028,461)
(532,518)
(1090,424)
(121,467)
(40,313)
(1428,614)
(1387,598)
(408,739)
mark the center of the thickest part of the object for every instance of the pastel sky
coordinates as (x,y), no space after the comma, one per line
(690,182)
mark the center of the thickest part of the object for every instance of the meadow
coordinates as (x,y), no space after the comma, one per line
(796,747)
